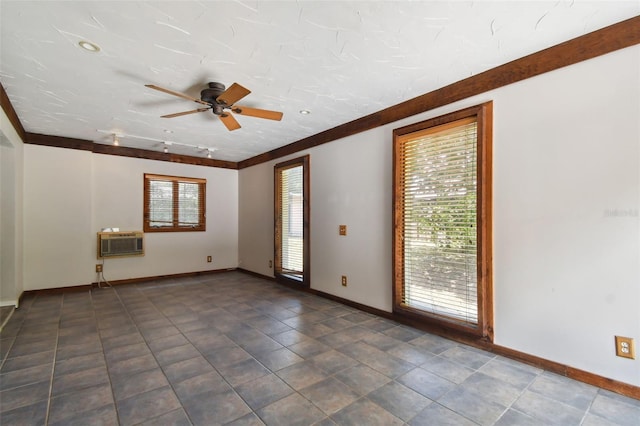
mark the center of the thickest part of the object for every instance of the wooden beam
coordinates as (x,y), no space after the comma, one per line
(161,156)
(11,113)
(58,141)
(96,148)
(606,40)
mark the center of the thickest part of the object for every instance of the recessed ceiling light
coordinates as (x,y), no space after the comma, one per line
(87,45)
(168,131)
(305,112)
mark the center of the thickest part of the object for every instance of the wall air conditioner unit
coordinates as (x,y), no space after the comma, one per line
(120,244)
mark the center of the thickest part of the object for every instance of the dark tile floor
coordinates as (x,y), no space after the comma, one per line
(235,349)
(5,313)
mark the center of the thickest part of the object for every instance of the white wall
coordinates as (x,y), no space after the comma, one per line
(567,266)
(256,233)
(57,214)
(117,202)
(566,227)
(70,195)
(351,184)
(11,258)
(7,223)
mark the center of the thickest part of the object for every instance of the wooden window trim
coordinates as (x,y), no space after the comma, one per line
(202,197)
(284,278)
(484,116)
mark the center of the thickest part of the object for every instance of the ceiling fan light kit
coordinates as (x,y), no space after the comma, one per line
(221,101)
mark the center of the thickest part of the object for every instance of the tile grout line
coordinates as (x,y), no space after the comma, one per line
(333,374)
(435,401)
(17,332)
(588,410)
(294,391)
(154,355)
(6,320)
(103,352)
(135,324)
(148,299)
(525,389)
(11,346)
(160,305)
(209,362)
(53,365)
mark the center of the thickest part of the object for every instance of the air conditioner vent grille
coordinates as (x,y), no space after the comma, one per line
(119,244)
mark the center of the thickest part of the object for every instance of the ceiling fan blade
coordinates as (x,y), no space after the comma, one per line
(171,92)
(178,114)
(233,94)
(256,112)
(229,121)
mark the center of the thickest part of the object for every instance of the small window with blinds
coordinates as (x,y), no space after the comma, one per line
(442,215)
(291,211)
(174,204)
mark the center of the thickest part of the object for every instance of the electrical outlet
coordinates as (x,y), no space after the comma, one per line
(270,264)
(209,259)
(624,347)
(98,267)
(344,280)
(342,229)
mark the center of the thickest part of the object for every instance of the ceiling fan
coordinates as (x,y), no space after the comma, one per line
(220,101)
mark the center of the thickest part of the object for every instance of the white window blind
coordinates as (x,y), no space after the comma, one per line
(160,204)
(174,203)
(439,220)
(291,211)
(188,204)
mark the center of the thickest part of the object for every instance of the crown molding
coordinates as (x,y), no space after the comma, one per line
(606,40)
(11,113)
(97,148)
(600,42)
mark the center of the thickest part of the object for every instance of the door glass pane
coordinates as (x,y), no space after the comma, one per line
(292,220)
(440,233)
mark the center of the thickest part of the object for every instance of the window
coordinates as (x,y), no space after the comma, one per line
(174,203)
(442,218)
(291,212)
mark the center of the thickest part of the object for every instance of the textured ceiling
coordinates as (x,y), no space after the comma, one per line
(340,60)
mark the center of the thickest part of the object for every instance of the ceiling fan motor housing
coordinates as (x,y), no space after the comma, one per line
(210,95)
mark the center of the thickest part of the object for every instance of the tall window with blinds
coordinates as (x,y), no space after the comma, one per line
(291,220)
(442,213)
(174,203)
